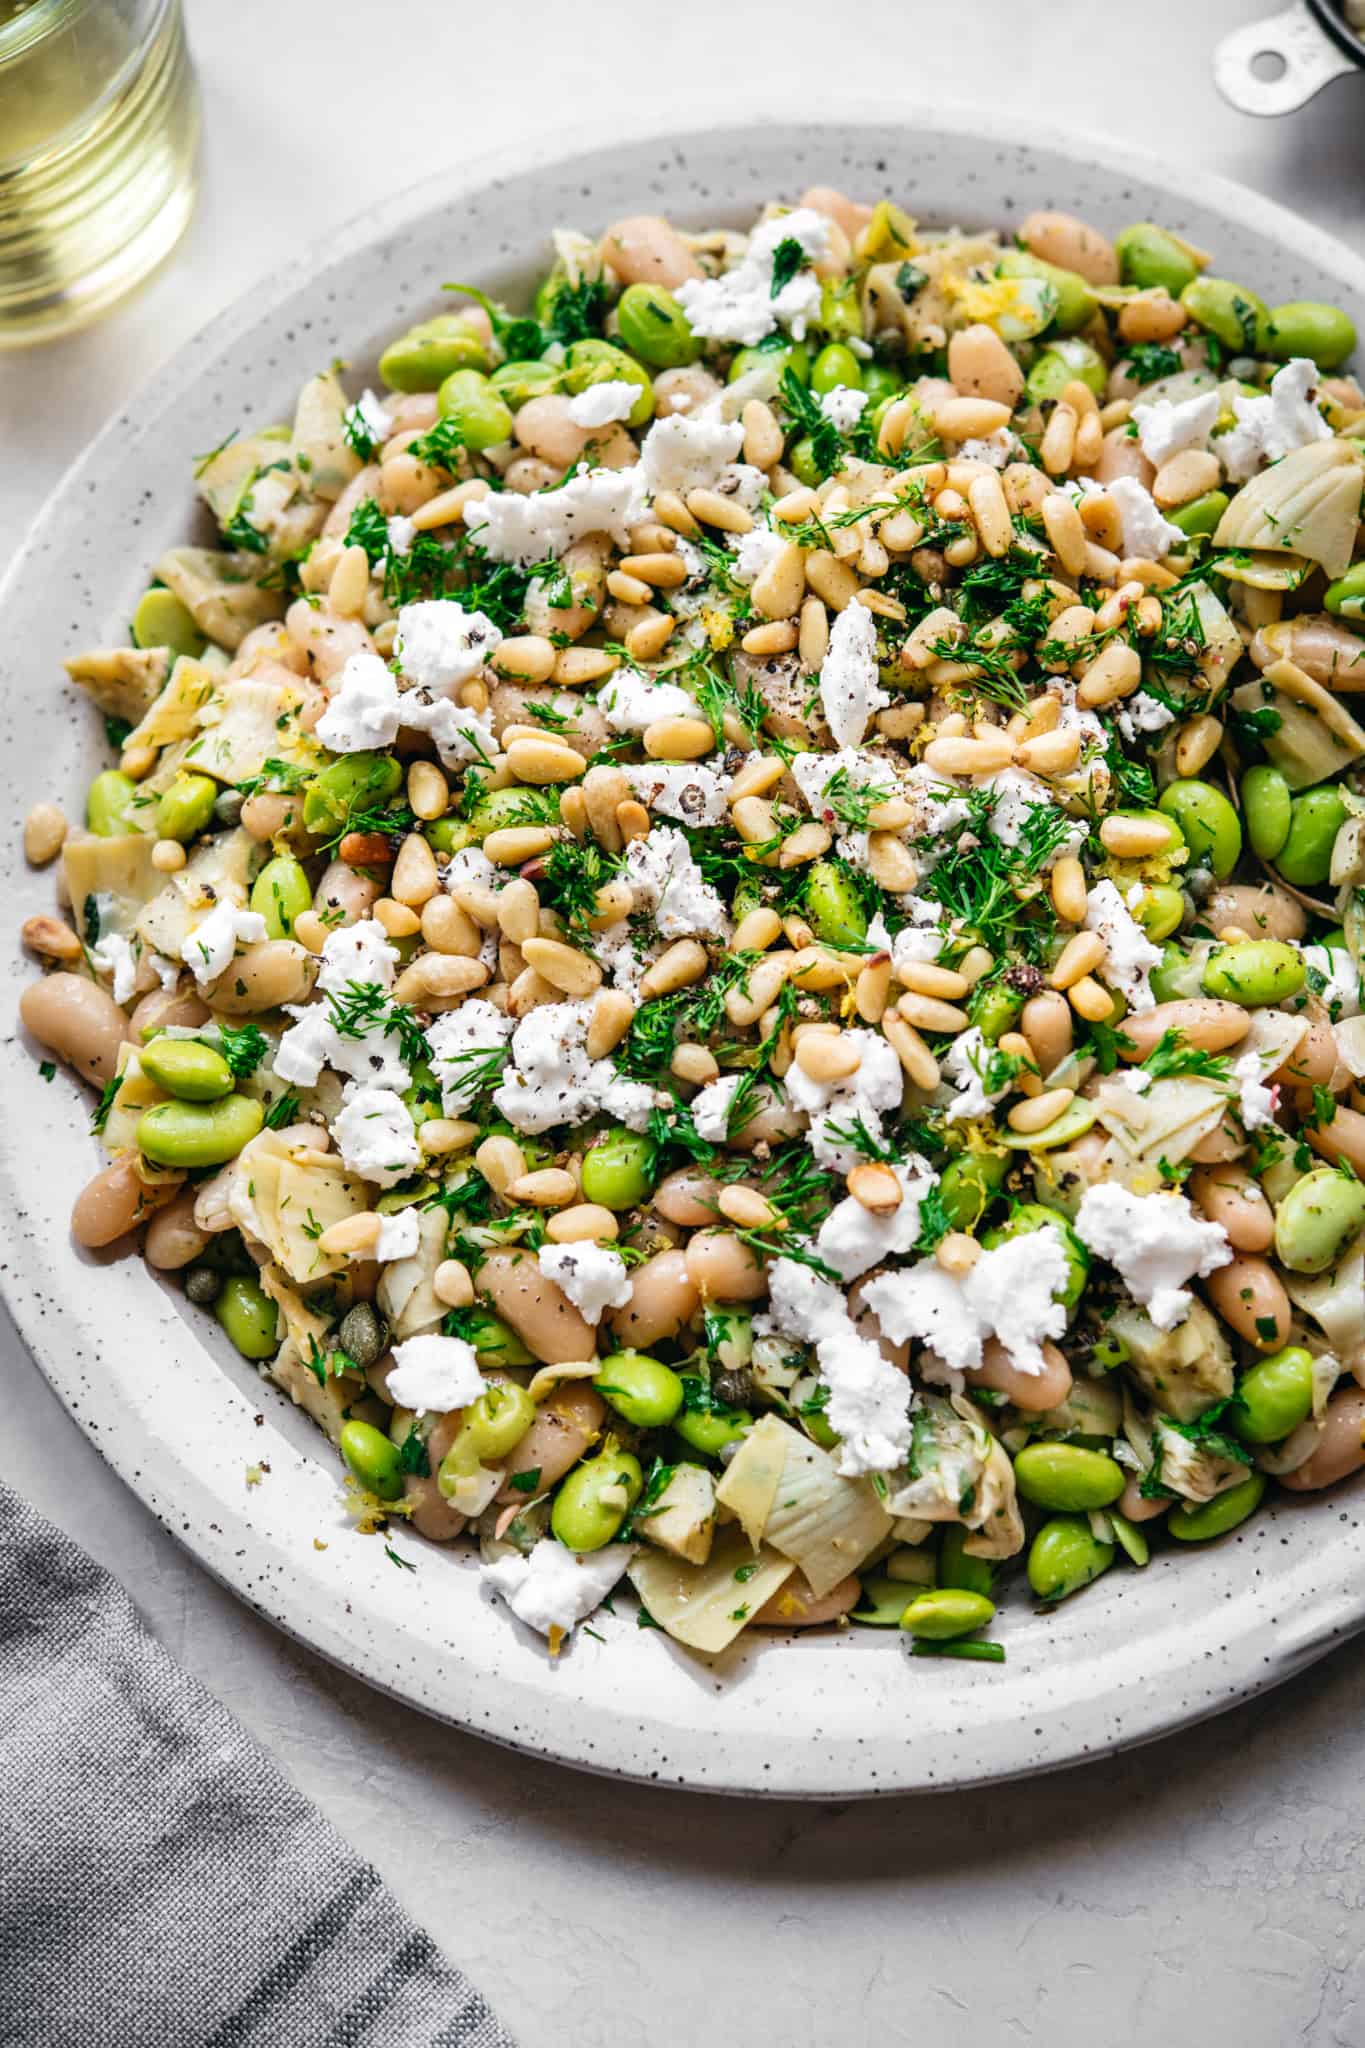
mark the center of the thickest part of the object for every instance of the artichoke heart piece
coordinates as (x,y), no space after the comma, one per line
(124,682)
(285,1195)
(1315,738)
(1306,504)
(707,1605)
(222,594)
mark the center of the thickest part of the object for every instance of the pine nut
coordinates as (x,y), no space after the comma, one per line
(584,1223)
(957,1253)
(529,657)
(754,820)
(632,820)
(1066,532)
(573,812)
(813,641)
(45,830)
(510,845)
(806,843)
(548,1188)
(890,862)
(1134,838)
(875,1187)
(414,880)
(649,636)
(448,928)
(923,978)
(350,583)
(452,1285)
(968,757)
(827,1057)
(428,795)
(778,589)
(671,511)
(968,419)
(398,920)
(614,901)
(310,931)
(911,1050)
(1089,440)
(501,1161)
(747,1000)
(1052,753)
(713,510)
(757,931)
(747,1208)
(168,856)
(50,938)
(1070,896)
(872,991)
(518,911)
(756,777)
(1081,955)
(562,966)
(892,816)
(1196,743)
(351,1236)
(762,435)
(927,1013)
(528,990)
(831,579)
(477,903)
(986,497)
(1037,1112)
(441,1135)
(682,964)
(1187,475)
(542,762)
(137,762)
(610,1021)
(1089,1000)
(694,1063)
(575,666)
(1059,440)
(1115,672)
(664,571)
(627,589)
(678,739)
(777,637)
(437,977)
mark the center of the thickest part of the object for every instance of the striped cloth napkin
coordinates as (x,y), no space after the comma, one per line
(161,1884)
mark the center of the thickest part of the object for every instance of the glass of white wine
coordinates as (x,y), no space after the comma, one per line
(99,127)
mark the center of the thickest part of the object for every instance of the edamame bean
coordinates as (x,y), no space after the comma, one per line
(1064,362)
(1202,515)
(495,1342)
(1309,327)
(1066,1477)
(840,310)
(792,355)
(802,463)
(518,382)
(106,804)
(198,1133)
(363,1334)
(1236,316)
(1076,303)
(654,327)
(601,362)
(498,809)
(956,1569)
(183,810)
(187,1069)
(1319,1220)
(1254,972)
(835,908)
(1346,597)
(1217,1516)
(1208,822)
(248,1317)
(1026,1217)
(162,621)
(617,1170)
(373,1460)
(1316,817)
(1266,806)
(835,366)
(472,402)
(968,1186)
(427,354)
(346,785)
(707,1426)
(1152,259)
(1159,910)
(490,1428)
(945,1613)
(880,383)
(1275,1396)
(280,893)
(993,1008)
(882,1602)
(1178,978)
(642,1389)
(1064,1556)
(581,1518)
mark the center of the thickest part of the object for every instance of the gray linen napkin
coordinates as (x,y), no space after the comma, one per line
(161,1884)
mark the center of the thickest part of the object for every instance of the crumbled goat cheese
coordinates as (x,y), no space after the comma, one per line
(631,702)
(553,1081)
(313,1042)
(1256,1102)
(852,1239)
(439,644)
(850,692)
(356,952)
(1156,1243)
(682,454)
(1145,531)
(460,735)
(869,1400)
(758,550)
(375,1134)
(601,404)
(593,1276)
(1341,992)
(965,1065)
(114,955)
(399,1238)
(371,417)
(552,1589)
(844,407)
(1132,956)
(363,712)
(526,527)
(1143,713)
(470,865)
(401,532)
(711,1108)
(999,449)
(434,1374)
(1007,1294)
(1166,428)
(741,305)
(687,790)
(668,882)
(461,1041)
(1016,796)
(921,940)
(1283,419)
(875,1085)
(208,950)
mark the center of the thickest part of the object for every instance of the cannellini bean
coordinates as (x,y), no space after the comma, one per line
(1263,913)
(1343,1138)
(1034,1392)
(1341,1448)
(663,1295)
(644,248)
(174,1239)
(345,889)
(1249,1295)
(723,1267)
(1229,1196)
(543,1317)
(688,1198)
(163,1008)
(1136,1508)
(794,1605)
(1071,244)
(1202,1021)
(568,1421)
(114,1202)
(77,1020)
(264,976)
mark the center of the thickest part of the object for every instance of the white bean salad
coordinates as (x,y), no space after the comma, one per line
(727,935)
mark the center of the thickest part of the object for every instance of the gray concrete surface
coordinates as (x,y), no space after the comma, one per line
(1207,1889)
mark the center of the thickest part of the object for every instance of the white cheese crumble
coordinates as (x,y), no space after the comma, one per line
(875,1085)
(682,454)
(999,449)
(601,404)
(1342,991)
(1143,713)
(461,1043)
(363,711)
(369,418)
(526,527)
(553,1589)
(552,1080)
(687,790)
(1256,1101)
(758,549)
(434,1374)
(869,1399)
(1131,954)
(1156,1243)
(114,956)
(631,702)
(356,952)
(852,1239)
(1281,420)
(1166,427)
(1007,1294)
(1016,795)
(313,1042)
(1146,532)
(401,532)
(844,407)
(593,1276)
(965,1065)
(399,1238)
(741,305)
(667,881)
(209,949)
(850,692)
(439,644)
(711,1108)
(375,1135)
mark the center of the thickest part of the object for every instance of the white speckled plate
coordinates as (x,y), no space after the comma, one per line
(826,1716)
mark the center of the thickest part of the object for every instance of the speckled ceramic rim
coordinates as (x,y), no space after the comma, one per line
(827,1717)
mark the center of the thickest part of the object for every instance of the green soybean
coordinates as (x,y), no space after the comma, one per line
(106,804)
(841,313)
(580,1517)
(162,621)
(1202,515)
(836,910)
(654,327)
(427,354)
(1316,817)
(374,1461)
(956,1569)
(642,1389)
(1130,1539)
(1026,1217)
(708,1427)
(280,893)
(248,1317)
(499,808)
(186,1068)
(1151,259)
(882,1602)
(1309,327)
(491,1427)
(1319,1220)
(945,1613)
(1076,302)
(601,362)
(1208,822)
(618,1170)
(802,463)
(1160,910)
(880,382)
(968,1186)
(1266,807)
(1346,597)
(1067,1478)
(1064,362)
(1234,315)
(993,1008)
(1254,972)
(198,1133)
(1179,974)
(1274,1396)
(186,807)
(347,785)
(792,355)
(834,368)
(1064,1556)
(520,381)
(472,402)
(1217,1516)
